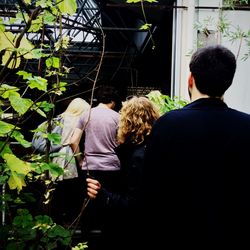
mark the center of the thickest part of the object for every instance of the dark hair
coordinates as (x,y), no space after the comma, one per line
(106,94)
(213,69)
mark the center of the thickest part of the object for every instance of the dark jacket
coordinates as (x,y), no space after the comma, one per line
(197,174)
(122,207)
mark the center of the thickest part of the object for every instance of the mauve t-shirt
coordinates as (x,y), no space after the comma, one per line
(100,139)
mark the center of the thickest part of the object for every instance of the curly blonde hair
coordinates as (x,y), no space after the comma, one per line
(137,117)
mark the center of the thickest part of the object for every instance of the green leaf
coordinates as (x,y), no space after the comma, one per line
(19,169)
(164,102)
(133,1)
(6,90)
(16,182)
(67,6)
(6,40)
(24,74)
(6,149)
(44,4)
(48,18)
(20,138)
(38,82)
(14,62)
(46,106)
(23,219)
(53,62)
(36,24)
(25,48)
(54,169)
(54,138)
(2,26)
(59,88)
(38,110)
(5,128)
(38,53)
(19,104)
(145,26)
(43,219)
(17,165)
(3,179)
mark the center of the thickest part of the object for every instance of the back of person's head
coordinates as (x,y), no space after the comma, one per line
(106,94)
(213,69)
(77,106)
(137,117)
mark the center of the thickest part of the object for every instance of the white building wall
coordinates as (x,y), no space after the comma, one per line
(185,42)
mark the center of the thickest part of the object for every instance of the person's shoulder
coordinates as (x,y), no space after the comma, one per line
(173,114)
(242,113)
(113,113)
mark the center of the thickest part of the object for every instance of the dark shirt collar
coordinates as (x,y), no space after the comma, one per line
(207,103)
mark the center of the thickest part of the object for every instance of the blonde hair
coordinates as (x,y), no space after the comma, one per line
(137,117)
(76,107)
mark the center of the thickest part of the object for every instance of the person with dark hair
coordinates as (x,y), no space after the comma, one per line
(137,117)
(99,159)
(108,94)
(195,184)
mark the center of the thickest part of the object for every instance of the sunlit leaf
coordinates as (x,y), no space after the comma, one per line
(2,26)
(53,62)
(13,63)
(19,104)
(145,26)
(26,48)
(48,18)
(38,82)
(4,148)
(36,24)
(5,128)
(38,110)
(59,88)
(46,106)
(67,6)
(6,90)
(44,4)
(16,182)
(133,1)
(55,169)
(62,43)
(54,138)
(24,74)
(6,40)
(20,138)
(17,165)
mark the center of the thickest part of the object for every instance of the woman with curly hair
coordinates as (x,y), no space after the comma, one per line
(136,120)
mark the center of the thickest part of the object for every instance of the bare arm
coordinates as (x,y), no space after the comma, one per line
(74,143)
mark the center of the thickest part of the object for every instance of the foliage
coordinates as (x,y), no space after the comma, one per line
(24,94)
(37,232)
(164,102)
(80,246)
(228,30)
(232,3)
